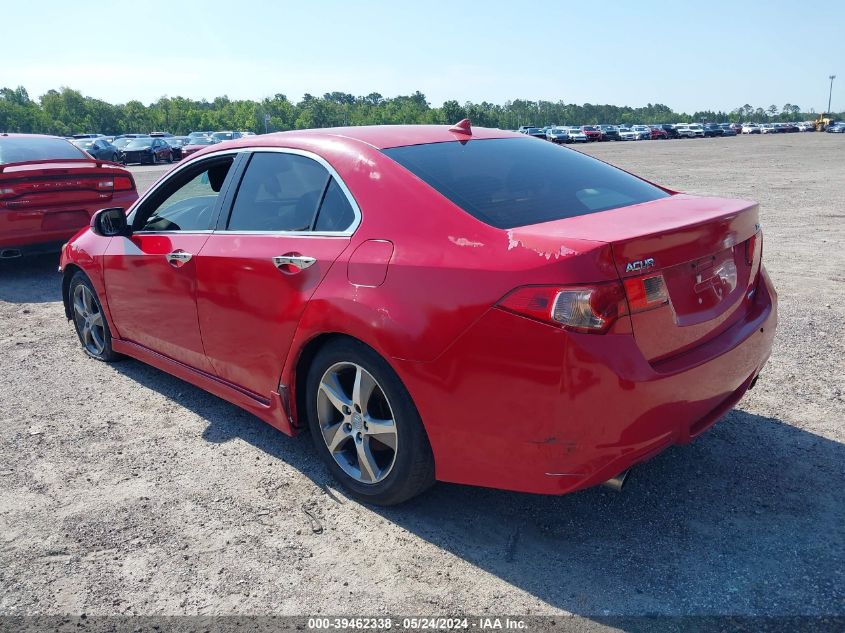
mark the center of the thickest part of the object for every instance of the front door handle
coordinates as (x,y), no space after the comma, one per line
(178,258)
(293,262)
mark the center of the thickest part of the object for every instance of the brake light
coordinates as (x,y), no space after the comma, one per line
(646,293)
(123,183)
(589,309)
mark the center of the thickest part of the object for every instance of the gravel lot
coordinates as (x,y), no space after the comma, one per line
(126,491)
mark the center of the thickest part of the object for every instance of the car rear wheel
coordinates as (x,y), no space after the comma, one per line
(89,320)
(365,425)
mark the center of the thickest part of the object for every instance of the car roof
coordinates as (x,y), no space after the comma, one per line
(376,136)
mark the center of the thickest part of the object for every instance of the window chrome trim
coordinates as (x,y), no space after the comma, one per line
(169,176)
(356,222)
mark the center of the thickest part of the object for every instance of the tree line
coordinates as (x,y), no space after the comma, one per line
(68,111)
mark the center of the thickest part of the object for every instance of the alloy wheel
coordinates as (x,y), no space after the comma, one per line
(89,320)
(357,422)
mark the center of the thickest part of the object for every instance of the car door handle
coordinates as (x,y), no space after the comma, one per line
(293,263)
(177,259)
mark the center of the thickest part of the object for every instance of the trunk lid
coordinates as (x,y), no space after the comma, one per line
(51,183)
(707,251)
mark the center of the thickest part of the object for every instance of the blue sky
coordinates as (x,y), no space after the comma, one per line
(720,57)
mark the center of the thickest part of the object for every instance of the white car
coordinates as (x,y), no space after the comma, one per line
(627,134)
(805,127)
(576,135)
(750,128)
(643,132)
(768,128)
(689,130)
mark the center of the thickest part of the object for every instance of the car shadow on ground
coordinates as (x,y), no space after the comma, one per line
(748,519)
(31,279)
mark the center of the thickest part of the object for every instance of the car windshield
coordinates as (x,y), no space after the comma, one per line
(222,136)
(18,149)
(589,128)
(139,143)
(517,181)
(201,140)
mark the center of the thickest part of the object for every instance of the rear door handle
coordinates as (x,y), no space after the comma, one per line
(178,258)
(293,263)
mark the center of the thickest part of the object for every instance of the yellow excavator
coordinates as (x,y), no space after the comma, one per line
(821,124)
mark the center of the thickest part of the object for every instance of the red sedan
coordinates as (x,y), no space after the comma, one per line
(591,132)
(435,303)
(196,144)
(658,133)
(49,189)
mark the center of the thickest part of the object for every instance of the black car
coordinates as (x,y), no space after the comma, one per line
(536,132)
(712,129)
(98,148)
(608,132)
(670,130)
(146,150)
(176,144)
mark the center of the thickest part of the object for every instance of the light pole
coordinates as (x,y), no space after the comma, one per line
(830,94)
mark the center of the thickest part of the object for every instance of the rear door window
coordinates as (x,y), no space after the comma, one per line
(289,193)
(516,181)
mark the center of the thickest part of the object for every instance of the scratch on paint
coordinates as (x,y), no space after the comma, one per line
(462,241)
(562,251)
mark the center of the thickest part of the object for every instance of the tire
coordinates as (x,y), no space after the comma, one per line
(89,321)
(154,159)
(387,476)
(170,158)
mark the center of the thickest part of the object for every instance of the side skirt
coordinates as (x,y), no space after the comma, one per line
(270,411)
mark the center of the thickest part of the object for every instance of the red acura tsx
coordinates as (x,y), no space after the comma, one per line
(435,303)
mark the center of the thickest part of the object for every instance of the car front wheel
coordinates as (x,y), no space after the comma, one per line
(365,426)
(89,320)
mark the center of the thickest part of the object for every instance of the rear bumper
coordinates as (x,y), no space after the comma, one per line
(520,405)
(35,228)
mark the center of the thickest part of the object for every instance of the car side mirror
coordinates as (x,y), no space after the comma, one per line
(110,222)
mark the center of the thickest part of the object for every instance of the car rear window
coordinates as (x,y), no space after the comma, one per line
(520,181)
(18,149)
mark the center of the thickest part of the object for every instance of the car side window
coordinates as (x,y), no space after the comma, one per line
(279,192)
(335,214)
(186,203)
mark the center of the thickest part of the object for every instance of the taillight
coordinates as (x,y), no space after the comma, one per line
(646,293)
(7,192)
(123,183)
(589,309)
(105,185)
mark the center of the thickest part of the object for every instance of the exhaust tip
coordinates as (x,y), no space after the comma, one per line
(616,483)
(10,253)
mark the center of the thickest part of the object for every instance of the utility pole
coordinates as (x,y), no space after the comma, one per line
(830,94)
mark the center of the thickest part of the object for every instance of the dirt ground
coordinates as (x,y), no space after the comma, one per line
(126,491)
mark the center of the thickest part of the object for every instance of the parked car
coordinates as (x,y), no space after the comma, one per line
(751,128)
(805,127)
(98,148)
(280,303)
(768,128)
(176,144)
(146,150)
(77,136)
(627,134)
(523,129)
(670,130)
(536,132)
(576,135)
(219,137)
(728,131)
(690,130)
(608,132)
(558,135)
(657,133)
(712,129)
(119,136)
(591,132)
(195,144)
(643,132)
(736,127)
(160,134)
(193,135)
(836,128)
(49,189)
